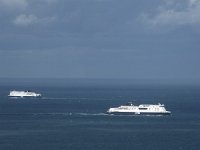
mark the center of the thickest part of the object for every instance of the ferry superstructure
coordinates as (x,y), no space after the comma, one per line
(143,109)
(23,94)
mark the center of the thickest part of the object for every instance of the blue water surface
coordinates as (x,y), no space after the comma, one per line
(73,118)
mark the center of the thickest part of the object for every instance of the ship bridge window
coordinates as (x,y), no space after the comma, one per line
(142,108)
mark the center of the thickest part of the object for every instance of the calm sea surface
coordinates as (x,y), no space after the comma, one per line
(73,118)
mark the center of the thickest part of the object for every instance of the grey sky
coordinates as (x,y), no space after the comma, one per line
(156,39)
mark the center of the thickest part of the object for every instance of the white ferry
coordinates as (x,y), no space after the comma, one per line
(23,94)
(143,109)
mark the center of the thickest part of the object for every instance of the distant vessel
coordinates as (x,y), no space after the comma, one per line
(23,94)
(143,109)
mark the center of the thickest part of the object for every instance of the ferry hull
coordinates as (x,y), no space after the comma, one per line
(141,113)
(23,96)
(142,109)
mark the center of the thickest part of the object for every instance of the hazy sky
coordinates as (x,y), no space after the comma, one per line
(153,39)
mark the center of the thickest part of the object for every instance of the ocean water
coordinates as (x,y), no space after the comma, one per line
(73,118)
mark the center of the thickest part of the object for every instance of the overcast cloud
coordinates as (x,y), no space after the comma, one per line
(175,12)
(100,39)
(17,4)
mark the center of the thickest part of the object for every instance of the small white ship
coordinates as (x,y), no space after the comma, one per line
(23,94)
(143,109)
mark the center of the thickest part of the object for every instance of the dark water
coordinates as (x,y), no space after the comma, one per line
(72,118)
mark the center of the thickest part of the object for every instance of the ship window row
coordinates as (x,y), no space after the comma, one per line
(142,108)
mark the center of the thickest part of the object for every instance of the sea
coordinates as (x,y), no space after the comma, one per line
(71,115)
